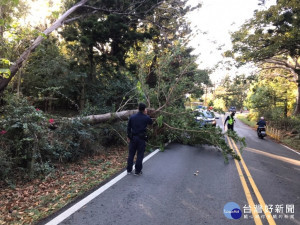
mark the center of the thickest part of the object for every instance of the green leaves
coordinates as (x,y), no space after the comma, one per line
(5,62)
(12,2)
(270,93)
(176,74)
(55,14)
(270,32)
(5,73)
(159,121)
(271,40)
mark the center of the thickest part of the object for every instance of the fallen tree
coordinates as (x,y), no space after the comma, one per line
(25,130)
(123,115)
(166,129)
(14,68)
(271,40)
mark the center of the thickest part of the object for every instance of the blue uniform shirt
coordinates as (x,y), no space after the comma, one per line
(137,124)
(261,123)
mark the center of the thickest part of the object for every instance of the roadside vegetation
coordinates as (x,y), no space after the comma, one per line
(27,203)
(104,59)
(288,129)
(101,58)
(269,41)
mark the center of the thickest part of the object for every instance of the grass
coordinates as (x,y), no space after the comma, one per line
(292,142)
(243,118)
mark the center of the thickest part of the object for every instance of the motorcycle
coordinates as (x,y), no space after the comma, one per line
(261,132)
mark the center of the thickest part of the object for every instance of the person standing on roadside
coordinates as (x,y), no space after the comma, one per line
(137,137)
(230,121)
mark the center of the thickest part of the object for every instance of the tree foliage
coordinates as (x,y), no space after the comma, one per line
(12,35)
(33,142)
(271,39)
(233,92)
(272,97)
(176,75)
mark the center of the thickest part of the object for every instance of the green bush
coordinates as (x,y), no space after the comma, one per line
(31,142)
(245,119)
(24,132)
(275,118)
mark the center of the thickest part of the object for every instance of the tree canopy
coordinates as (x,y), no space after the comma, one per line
(271,40)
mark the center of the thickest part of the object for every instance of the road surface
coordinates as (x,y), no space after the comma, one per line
(192,185)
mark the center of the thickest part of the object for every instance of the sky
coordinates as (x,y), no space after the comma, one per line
(40,10)
(217,18)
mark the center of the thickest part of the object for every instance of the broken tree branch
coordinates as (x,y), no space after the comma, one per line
(19,63)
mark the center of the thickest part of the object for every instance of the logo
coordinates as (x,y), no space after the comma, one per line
(232,210)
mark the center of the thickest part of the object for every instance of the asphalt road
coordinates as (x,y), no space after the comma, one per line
(191,185)
(275,171)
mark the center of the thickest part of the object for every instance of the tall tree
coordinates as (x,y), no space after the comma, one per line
(101,41)
(271,40)
(14,68)
(98,45)
(234,91)
(136,10)
(10,10)
(273,97)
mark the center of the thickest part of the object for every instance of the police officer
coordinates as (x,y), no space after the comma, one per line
(136,133)
(230,122)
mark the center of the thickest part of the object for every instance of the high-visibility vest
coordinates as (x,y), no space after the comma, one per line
(230,121)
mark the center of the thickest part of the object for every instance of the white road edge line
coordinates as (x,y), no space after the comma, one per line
(290,149)
(93,195)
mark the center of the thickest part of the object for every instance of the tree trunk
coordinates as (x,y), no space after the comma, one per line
(92,65)
(19,83)
(82,94)
(2,26)
(285,107)
(50,102)
(1,32)
(297,109)
(123,115)
(19,63)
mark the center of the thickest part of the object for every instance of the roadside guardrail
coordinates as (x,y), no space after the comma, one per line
(274,133)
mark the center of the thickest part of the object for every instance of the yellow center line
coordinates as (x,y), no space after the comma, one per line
(284,159)
(256,217)
(255,189)
(250,201)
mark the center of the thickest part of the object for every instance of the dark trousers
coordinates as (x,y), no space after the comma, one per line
(230,127)
(136,145)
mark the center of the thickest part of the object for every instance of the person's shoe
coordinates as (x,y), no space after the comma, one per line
(138,174)
(129,172)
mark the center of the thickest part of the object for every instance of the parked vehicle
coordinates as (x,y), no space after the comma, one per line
(232,109)
(205,118)
(261,132)
(201,107)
